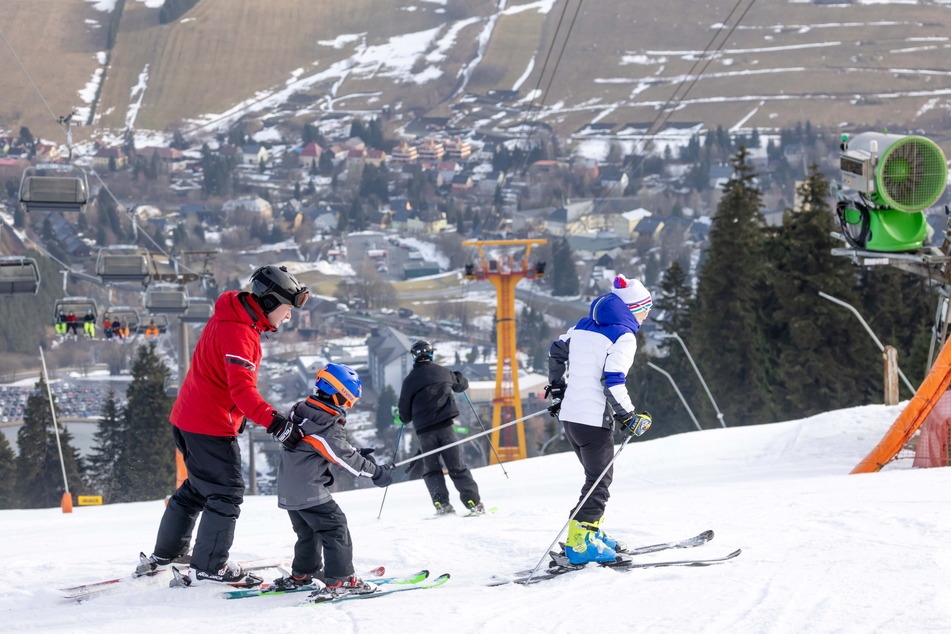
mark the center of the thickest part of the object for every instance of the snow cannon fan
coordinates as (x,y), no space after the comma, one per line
(888,180)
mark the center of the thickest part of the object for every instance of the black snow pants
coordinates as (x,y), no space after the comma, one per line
(322,533)
(215,489)
(458,471)
(594,447)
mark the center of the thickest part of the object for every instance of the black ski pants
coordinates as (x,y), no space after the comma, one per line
(322,533)
(594,447)
(215,489)
(458,471)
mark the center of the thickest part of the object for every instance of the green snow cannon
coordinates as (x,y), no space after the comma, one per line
(888,180)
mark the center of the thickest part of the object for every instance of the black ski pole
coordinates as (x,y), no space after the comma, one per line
(470,438)
(491,446)
(578,508)
(399,439)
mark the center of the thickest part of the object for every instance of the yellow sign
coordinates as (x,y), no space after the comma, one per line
(87,500)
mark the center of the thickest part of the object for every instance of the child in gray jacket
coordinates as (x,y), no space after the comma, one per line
(304,478)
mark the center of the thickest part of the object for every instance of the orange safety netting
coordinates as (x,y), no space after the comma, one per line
(932,449)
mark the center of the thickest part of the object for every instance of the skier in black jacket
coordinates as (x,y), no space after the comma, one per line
(426,400)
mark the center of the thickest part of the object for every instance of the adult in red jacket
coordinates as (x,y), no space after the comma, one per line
(218,393)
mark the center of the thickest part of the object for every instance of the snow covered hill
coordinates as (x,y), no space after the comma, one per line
(823,551)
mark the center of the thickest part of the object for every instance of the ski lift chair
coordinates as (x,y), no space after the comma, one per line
(18,276)
(58,188)
(124,314)
(199,311)
(161,323)
(168,299)
(78,306)
(122,263)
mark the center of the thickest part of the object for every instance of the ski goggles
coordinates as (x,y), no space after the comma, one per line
(296,299)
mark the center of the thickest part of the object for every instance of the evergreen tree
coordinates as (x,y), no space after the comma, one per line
(563,273)
(8,473)
(108,447)
(384,412)
(899,308)
(534,336)
(146,467)
(671,312)
(728,336)
(824,361)
(39,470)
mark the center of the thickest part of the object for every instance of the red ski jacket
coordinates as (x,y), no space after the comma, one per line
(220,388)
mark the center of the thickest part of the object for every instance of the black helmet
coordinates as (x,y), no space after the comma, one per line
(422,351)
(273,285)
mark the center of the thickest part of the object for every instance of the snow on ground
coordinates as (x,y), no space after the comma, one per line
(823,551)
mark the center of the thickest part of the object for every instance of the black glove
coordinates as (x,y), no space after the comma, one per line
(365,452)
(383,476)
(557,393)
(634,423)
(284,430)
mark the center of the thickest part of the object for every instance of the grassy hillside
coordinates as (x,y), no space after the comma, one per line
(854,66)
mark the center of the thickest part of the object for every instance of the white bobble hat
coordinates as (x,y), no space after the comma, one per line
(632,293)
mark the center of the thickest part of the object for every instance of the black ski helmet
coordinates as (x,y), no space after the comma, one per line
(422,351)
(273,285)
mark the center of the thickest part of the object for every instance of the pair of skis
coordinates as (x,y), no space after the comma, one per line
(386,585)
(559,565)
(88,590)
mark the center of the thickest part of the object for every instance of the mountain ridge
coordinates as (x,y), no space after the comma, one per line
(477,64)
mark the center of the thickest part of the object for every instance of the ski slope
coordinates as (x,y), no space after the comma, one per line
(823,551)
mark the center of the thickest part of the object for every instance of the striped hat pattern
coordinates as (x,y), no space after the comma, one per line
(632,293)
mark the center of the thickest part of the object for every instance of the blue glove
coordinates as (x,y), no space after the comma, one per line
(284,430)
(383,476)
(365,452)
(633,423)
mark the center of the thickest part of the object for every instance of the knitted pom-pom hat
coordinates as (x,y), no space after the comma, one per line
(632,293)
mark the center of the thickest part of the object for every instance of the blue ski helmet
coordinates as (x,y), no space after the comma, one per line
(338,384)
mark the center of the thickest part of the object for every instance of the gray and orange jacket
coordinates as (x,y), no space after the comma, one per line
(220,388)
(303,476)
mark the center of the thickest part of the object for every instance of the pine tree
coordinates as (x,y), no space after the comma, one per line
(107,449)
(727,336)
(384,412)
(825,361)
(564,275)
(39,470)
(8,472)
(671,311)
(146,466)
(899,308)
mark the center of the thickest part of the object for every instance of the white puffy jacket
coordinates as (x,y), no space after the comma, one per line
(596,355)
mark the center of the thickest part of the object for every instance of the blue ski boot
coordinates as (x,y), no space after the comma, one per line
(610,542)
(584,546)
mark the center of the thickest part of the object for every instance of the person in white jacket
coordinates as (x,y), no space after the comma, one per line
(587,376)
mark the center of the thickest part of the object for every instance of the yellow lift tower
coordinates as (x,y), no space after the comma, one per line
(505,270)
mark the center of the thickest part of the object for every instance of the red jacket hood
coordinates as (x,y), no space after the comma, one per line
(240,306)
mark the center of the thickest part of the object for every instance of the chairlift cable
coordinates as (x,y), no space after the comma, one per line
(29,78)
(541,73)
(670,106)
(64,123)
